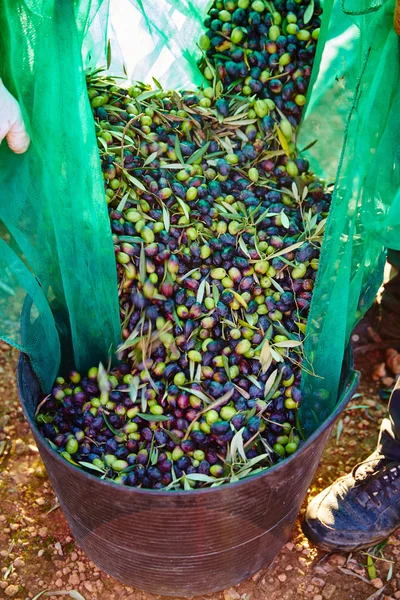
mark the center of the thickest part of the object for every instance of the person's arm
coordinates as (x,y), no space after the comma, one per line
(12,126)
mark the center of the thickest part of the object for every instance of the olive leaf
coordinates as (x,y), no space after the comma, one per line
(275,355)
(265,357)
(146,95)
(254,381)
(243,247)
(134,388)
(71,593)
(197,393)
(184,207)
(90,466)
(143,400)
(288,344)
(295,191)
(110,427)
(285,221)
(276,285)
(178,151)
(237,446)
(308,13)
(200,477)
(239,298)
(150,159)
(166,218)
(109,54)
(135,181)
(153,418)
(201,291)
(285,250)
(158,84)
(142,264)
(282,140)
(225,362)
(215,293)
(102,381)
(270,382)
(198,154)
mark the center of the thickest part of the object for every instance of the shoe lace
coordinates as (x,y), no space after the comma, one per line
(378,477)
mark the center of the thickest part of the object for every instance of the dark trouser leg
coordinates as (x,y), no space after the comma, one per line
(390,304)
(389,436)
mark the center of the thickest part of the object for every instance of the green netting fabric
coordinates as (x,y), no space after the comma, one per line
(352,112)
(160,41)
(52,199)
(365,213)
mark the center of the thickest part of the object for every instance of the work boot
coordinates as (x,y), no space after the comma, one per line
(363,508)
(359,510)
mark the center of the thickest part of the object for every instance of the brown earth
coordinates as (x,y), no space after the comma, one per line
(38,553)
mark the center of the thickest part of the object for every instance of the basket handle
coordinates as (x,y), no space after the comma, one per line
(397,17)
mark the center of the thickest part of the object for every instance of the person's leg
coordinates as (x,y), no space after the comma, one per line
(389,327)
(389,436)
(362,508)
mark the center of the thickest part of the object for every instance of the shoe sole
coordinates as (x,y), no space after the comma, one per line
(315,538)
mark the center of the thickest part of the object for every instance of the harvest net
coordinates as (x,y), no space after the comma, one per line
(57,249)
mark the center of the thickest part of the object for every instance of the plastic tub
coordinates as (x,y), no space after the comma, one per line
(182,543)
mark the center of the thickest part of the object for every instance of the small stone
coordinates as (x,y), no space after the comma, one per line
(231,594)
(11,590)
(318,582)
(19,562)
(74,556)
(397,594)
(43,531)
(393,360)
(40,501)
(59,583)
(282,577)
(58,547)
(379,371)
(89,587)
(20,447)
(289,546)
(329,590)
(318,597)
(40,553)
(74,579)
(289,568)
(298,547)
(377,582)
(337,559)
(81,567)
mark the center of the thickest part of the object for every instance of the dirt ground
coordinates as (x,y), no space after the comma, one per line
(38,553)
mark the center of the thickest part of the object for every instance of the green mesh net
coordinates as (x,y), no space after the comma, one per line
(58,249)
(52,200)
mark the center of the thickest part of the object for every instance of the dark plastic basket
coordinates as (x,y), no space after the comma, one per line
(182,543)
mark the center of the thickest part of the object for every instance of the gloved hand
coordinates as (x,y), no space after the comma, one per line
(11,123)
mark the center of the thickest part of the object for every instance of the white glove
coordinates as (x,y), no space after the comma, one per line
(12,126)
